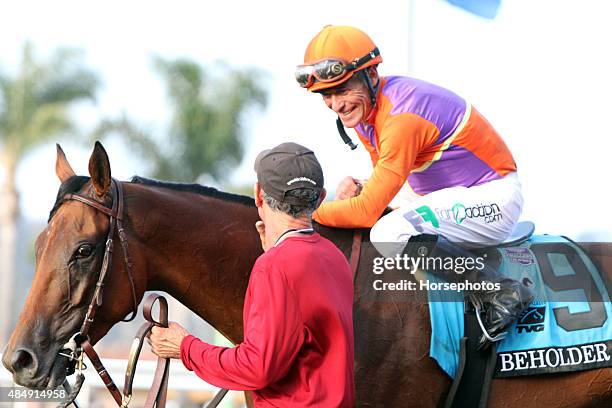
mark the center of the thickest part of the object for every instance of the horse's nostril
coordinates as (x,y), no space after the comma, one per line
(23,359)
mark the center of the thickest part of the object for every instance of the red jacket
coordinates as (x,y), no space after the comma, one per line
(298,330)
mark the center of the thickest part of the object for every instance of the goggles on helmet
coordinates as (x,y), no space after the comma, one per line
(330,70)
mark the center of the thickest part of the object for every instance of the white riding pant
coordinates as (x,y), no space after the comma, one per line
(484,214)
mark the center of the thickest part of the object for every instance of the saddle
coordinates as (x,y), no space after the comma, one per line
(561,333)
(476,366)
(567,327)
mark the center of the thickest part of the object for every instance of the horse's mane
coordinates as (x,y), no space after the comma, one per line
(75,184)
(195,188)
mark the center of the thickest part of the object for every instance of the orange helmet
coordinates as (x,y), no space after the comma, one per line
(334,55)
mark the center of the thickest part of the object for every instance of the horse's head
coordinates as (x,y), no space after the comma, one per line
(69,258)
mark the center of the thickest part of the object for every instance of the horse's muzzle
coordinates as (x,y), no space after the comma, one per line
(24,366)
(31,372)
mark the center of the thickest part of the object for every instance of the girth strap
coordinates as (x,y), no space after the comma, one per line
(356,251)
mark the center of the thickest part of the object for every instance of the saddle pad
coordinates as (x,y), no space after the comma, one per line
(559,332)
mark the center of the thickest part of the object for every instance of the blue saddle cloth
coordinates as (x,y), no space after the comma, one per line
(568,327)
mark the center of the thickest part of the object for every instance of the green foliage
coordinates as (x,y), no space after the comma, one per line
(34,102)
(208,107)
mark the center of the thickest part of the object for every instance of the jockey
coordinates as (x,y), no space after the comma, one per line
(443,169)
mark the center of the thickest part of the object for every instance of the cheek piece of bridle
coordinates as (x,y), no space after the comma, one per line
(79,344)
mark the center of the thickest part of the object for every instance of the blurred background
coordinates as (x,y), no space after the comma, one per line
(191,91)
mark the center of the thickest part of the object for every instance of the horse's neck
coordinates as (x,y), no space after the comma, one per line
(199,249)
(343,238)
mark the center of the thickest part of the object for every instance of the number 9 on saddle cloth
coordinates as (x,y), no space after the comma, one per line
(568,326)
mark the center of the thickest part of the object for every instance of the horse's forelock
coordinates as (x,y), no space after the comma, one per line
(72,185)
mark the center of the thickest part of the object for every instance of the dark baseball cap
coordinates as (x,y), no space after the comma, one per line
(287,167)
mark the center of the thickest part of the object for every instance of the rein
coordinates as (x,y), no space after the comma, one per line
(156,396)
(79,345)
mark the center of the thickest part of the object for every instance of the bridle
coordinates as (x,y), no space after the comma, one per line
(79,344)
(116,222)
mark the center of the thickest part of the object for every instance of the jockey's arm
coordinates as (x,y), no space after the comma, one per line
(401,138)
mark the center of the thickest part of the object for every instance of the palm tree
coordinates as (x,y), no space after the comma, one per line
(208,107)
(206,133)
(34,106)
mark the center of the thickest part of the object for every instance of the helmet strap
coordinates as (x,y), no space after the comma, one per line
(345,138)
(373,90)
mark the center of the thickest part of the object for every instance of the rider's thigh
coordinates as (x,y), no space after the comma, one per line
(484,214)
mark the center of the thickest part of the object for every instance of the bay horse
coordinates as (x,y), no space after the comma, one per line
(199,244)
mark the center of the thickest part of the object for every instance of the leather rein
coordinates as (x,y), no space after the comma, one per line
(79,345)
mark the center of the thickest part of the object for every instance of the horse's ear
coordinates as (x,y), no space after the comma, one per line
(62,167)
(99,170)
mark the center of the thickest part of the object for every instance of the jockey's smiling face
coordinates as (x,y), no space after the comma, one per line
(350,100)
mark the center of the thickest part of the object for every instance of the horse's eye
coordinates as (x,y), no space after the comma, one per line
(84,251)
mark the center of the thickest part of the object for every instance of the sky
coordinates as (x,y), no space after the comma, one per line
(539,72)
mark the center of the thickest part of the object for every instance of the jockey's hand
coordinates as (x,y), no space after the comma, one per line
(261,229)
(166,342)
(349,187)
